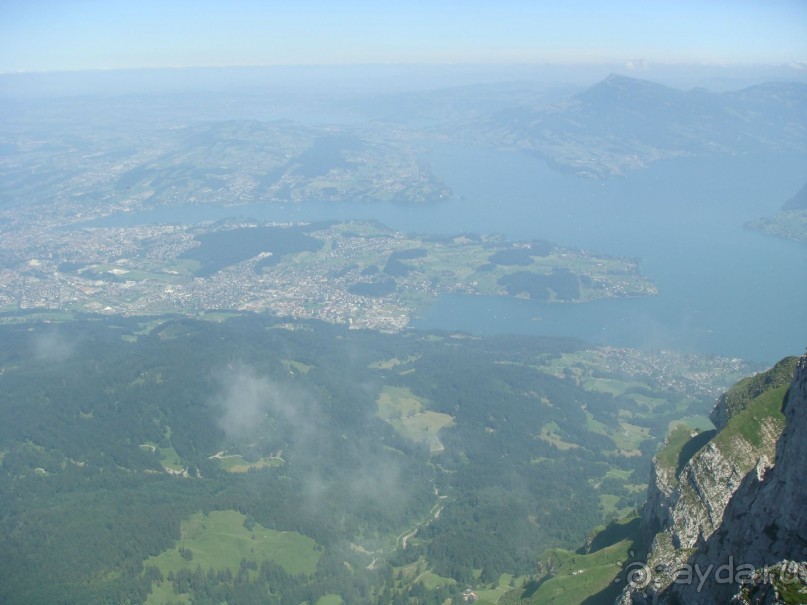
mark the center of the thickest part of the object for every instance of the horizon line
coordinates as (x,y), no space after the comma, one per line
(645,65)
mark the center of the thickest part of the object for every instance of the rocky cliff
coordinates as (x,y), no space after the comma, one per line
(765,522)
(702,488)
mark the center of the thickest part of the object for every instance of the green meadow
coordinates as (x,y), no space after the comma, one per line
(406,414)
(221,540)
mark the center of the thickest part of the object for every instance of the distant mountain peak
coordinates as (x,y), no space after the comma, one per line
(617,88)
(624,123)
(622,81)
(614,78)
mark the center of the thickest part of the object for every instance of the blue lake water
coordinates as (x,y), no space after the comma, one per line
(723,289)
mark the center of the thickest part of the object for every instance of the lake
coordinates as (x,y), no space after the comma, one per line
(723,289)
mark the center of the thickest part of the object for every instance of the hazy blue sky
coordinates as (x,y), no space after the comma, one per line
(41,35)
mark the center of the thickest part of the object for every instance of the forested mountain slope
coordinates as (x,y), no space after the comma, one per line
(259,461)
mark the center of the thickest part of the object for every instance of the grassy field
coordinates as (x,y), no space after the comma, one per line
(578,577)
(423,428)
(549,433)
(406,413)
(629,436)
(237,464)
(164,593)
(700,423)
(432,580)
(13,317)
(168,456)
(573,590)
(748,423)
(676,440)
(297,366)
(608,385)
(504,585)
(571,578)
(115,272)
(218,316)
(620,474)
(397,402)
(182,266)
(418,572)
(388,364)
(220,540)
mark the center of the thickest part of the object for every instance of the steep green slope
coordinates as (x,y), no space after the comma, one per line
(738,397)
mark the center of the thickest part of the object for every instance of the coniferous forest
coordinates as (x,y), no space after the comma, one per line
(393,466)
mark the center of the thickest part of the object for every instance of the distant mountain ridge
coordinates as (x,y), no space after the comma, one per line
(624,123)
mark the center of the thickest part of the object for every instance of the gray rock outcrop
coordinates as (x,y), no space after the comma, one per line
(766,519)
(740,500)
